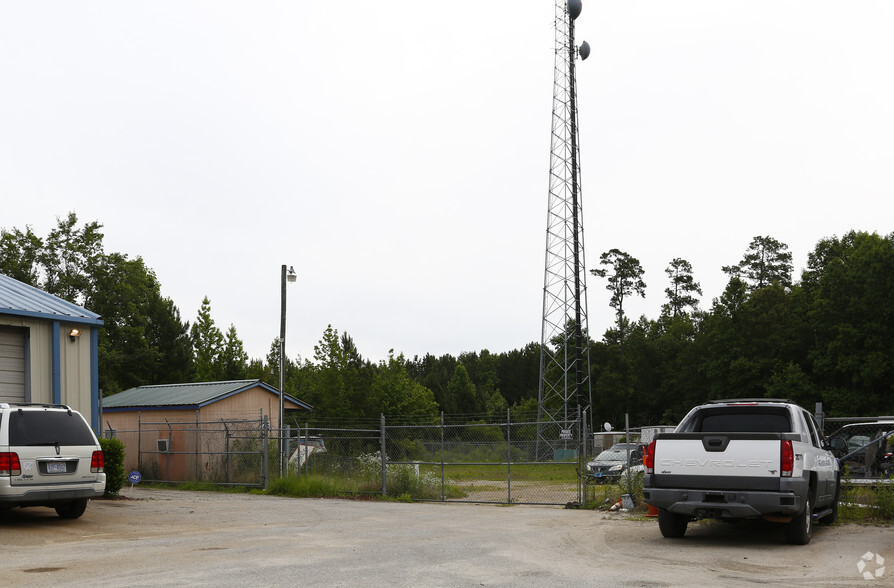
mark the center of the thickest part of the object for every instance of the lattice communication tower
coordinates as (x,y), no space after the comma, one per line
(564,390)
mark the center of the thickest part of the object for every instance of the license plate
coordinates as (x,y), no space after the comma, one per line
(56,467)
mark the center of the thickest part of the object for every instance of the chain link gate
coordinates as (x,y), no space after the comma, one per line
(485,462)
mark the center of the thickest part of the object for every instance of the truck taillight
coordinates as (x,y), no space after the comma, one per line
(96,462)
(649,458)
(787,459)
(9,464)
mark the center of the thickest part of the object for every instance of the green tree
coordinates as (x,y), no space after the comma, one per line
(518,372)
(394,392)
(626,278)
(462,390)
(358,378)
(434,373)
(20,254)
(167,333)
(122,291)
(849,294)
(767,261)
(326,388)
(70,256)
(207,344)
(232,360)
(683,286)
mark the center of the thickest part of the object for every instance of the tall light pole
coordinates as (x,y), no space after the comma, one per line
(289,276)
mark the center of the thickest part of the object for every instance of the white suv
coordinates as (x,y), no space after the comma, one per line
(49,456)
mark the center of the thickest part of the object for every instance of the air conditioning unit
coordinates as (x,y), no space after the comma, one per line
(164,445)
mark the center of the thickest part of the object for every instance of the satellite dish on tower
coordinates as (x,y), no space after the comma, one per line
(584,50)
(574,8)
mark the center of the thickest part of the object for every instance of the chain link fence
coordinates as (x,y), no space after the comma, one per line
(232,451)
(450,459)
(863,445)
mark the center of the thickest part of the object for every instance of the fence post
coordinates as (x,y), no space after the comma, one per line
(443,481)
(139,441)
(627,441)
(265,454)
(382,453)
(584,436)
(226,449)
(508,457)
(306,448)
(197,445)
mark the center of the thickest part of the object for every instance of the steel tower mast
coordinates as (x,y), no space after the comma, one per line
(564,347)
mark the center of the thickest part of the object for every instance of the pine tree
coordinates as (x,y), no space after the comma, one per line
(207,344)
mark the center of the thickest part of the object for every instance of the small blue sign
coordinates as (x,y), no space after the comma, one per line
(134,477)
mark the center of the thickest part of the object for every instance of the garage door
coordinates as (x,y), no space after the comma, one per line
(12,364)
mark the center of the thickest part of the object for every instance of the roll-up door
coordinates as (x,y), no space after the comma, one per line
(12,364)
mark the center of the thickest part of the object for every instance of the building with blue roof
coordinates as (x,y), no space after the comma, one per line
(48,350)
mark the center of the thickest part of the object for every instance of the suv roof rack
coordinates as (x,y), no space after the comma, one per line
(37,404)
(740,400)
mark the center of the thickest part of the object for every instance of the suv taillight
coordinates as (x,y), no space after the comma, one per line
(96,462)
(787,459)
(649,458)
(9,464)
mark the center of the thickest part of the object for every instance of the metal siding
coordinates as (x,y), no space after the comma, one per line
(56,364)
(75,365)
(94,380)
(12,364)
(40,347)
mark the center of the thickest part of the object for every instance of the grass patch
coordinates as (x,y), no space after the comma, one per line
(195,487)
(310,486)
(867,504)
(559,473)
(604,496)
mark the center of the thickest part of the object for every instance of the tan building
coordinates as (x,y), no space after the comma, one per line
(48,350)
(191,431)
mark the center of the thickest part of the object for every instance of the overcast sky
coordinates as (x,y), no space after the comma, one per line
(397,154)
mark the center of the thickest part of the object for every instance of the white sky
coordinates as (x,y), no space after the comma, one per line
(397,154)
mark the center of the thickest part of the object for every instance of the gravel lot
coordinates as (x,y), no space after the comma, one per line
(165,537)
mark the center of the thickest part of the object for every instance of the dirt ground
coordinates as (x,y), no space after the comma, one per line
(166,537)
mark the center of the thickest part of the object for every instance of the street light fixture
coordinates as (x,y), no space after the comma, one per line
(289,277)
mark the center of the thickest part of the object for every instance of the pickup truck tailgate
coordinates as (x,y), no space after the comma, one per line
(693,460)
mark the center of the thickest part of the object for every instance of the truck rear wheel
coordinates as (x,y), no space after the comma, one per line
(672,524)
(800,529)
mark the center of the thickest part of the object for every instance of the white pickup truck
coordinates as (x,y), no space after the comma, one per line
(739,459)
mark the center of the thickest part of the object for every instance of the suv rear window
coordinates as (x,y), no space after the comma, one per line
(47,427)
(752,419)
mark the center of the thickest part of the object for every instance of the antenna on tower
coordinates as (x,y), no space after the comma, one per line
(564,389)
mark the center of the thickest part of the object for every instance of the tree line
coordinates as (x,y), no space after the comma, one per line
(828,337)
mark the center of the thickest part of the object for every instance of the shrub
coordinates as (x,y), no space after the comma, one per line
(113,461)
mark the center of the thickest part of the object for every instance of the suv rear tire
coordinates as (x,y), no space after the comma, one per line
(73,509)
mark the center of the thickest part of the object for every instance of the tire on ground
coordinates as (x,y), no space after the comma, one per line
(672,524)
(800,529)
(73,509)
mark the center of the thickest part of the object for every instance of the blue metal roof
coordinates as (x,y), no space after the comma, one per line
(20,299)
(192,395)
